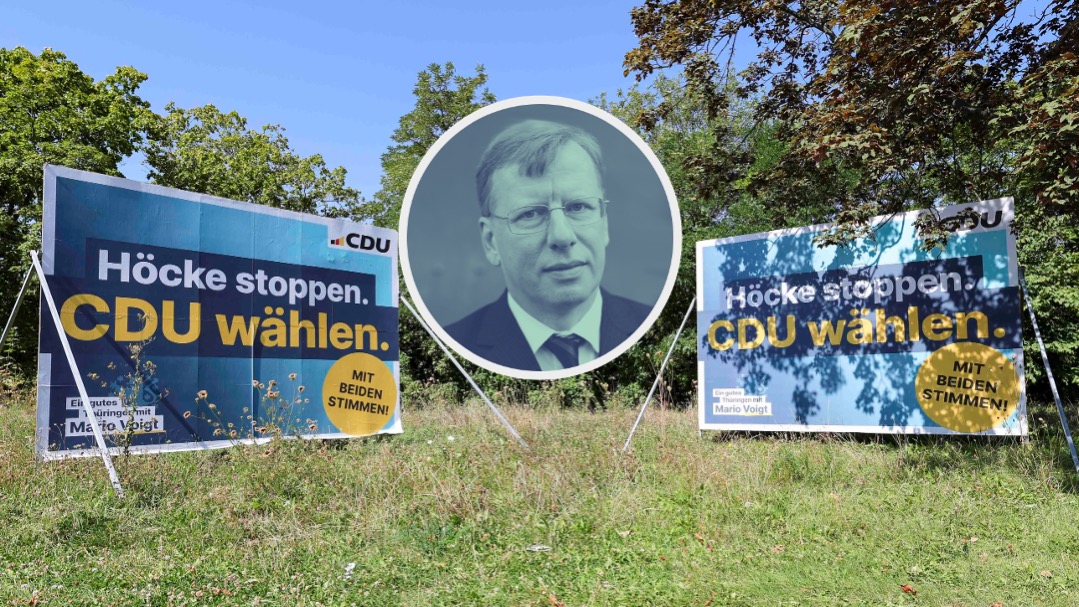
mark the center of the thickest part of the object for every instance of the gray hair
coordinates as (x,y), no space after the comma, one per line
(531,145)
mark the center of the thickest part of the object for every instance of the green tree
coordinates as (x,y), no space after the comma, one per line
(52,112)
(208,151)
(443,97)
(920,101)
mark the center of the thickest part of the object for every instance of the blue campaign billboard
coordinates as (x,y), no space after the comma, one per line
(877,336)
(199,322)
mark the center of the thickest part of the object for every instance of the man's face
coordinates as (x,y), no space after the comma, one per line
(551,272)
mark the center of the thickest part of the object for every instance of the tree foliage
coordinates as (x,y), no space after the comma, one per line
(52,112)
(919,101)
(208,151)
(443,97)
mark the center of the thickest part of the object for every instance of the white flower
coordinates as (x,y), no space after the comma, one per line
(450,438)
(430,441)
(348,570)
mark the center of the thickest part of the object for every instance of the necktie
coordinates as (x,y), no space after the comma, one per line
(564,347)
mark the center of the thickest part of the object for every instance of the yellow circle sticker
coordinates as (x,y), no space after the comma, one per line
(359,394)
(967,387)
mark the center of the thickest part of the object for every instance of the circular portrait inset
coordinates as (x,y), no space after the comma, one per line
(540,237)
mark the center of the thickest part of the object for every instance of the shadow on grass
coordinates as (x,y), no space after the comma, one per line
(92,529)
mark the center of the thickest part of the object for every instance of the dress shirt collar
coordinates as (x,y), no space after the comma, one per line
(538,333)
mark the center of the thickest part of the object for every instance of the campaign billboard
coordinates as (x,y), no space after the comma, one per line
(199,322)
(876,336)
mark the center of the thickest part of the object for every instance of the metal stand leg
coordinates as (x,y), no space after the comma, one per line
(98,436)
(15,309)
(465,373)
(659,375)
(1049,372)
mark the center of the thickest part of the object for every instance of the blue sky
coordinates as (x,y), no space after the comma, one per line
(336,75)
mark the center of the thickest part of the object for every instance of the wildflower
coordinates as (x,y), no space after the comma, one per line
(348,570)
(254,383)
(430,442)
(312,427)
(300,389)
(213,406)
(273,382)
(245,410)
(187,414)
(292,376)
(202,393)
(450,438)
(272,394)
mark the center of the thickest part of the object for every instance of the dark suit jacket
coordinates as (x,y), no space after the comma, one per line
(492,333)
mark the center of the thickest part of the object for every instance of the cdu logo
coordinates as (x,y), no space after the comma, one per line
(362,242)
(972,220)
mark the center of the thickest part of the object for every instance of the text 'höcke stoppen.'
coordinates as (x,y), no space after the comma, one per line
(317,324)
(846,289)
(189,275)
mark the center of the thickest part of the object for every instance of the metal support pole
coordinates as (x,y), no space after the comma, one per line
(1049,372)
(670,351)
(465,373)
(15,310)
(98,436)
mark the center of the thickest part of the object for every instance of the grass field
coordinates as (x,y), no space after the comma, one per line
(454,512)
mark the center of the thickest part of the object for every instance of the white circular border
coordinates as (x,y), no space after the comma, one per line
(676,249)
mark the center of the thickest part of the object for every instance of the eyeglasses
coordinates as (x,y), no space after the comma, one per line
(536,218)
